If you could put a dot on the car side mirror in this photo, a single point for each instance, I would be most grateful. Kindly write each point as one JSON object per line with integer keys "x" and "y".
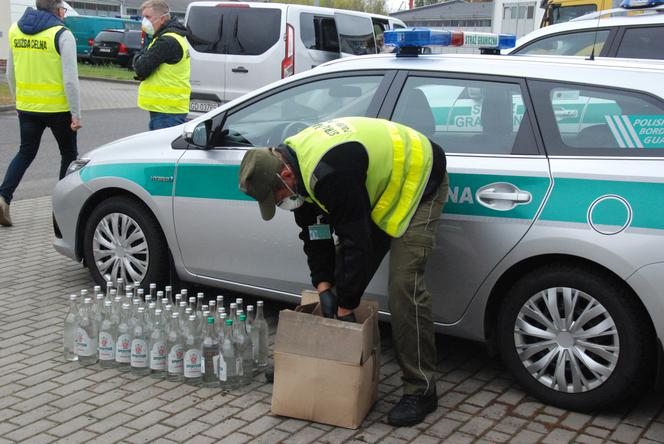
{"x": 197, "y": 133}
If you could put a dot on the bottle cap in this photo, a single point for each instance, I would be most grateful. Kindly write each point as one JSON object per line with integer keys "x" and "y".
{"x": 152, "y": 305}
{"x": 72, "y": 297}
{"x": 259, "y": 303}
{"x": 140, "y": 292}
{"x": 108, "y": 303}
{"x": 84, "y": 292}
{"x": 169, "y": 288}
{"x": 183, "y": 303}
{"x": 175, "y": 315}
{"x": 125, "y": 306}
{"x": 243, "y": 317}
{"x": 157, "y": 311}
{"x": 87, "y": 301}
{"x": 184, "y": 292}
{"x": 229, "y": 322}
{"x": 160, "y": 294}
{"x": 192, "y": 317}
{"x": 250, "y": 308}
{"x": 100, "y": 295}
{"x": 153, "y": 286}
{"x": 200, "y": 295}
{"x": 140, "y": 309}
{"x": 210, "y": 320}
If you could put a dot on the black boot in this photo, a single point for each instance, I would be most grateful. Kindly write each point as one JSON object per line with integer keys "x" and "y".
{"x": 412, "y": 409}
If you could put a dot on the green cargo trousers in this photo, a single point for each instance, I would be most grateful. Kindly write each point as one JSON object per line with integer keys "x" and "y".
{"x": 409, "y": 301}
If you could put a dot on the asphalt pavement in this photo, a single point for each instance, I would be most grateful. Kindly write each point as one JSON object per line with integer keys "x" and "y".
{"x": 109, "y": 113}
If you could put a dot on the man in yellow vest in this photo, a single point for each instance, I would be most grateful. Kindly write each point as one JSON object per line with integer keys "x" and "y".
{"x": 378, "y": 186}
{"x": 42, "y": 74}
{"x": 163, "y": 67}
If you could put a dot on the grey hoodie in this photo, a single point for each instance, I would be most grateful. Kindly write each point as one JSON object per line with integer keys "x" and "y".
{"x": 35, "y": 21}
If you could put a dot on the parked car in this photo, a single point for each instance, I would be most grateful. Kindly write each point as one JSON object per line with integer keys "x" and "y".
{"x": 238, "y": 47}
{"x": 550, "y": 247}
{"x": 85, "y": 28}
{"x": 620, "y": 32}
{"x": 117, "y": 46}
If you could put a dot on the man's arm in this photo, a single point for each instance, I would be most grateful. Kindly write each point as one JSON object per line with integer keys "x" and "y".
{"x": 320, "y": 253}
{"x": 164, "y": 50}
{"x": 11, "y": 77}
{"x": 67, "y": 45}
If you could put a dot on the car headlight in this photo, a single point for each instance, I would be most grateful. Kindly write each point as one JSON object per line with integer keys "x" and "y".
{"x": 76, "y": 165}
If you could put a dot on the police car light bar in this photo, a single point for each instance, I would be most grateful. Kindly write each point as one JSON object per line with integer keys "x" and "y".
{"x": 409, "y": 41}
{"x": 631, "y": 4}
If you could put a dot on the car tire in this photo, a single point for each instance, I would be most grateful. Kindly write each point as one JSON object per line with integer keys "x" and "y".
{"x": 624, "y": 351}
{"x": 146, "y": 243}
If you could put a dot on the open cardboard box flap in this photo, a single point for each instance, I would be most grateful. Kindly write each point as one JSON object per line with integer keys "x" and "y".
{"x": 304, "y": 332}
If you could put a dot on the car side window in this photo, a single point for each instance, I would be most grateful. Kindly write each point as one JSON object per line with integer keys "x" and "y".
{"x": 642, "y": 43}
{"x": 269, "y": 121}
{"x": 467, "y": 116}
{"x": 319, "y": 32}
{"x": 582, "y": 120}
{"x": 571, "y": 44}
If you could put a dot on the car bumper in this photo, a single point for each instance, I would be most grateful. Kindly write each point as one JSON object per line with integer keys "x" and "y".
{"x": 69, "y": 196}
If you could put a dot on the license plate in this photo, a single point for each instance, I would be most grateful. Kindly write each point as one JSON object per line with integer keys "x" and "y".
{"x": 104, "y": 49}
{"x": 202, "y": 106}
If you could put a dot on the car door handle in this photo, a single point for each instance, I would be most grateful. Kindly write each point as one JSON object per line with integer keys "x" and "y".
{"x": 241, "y": 69}
{"x": 502, "y": 196}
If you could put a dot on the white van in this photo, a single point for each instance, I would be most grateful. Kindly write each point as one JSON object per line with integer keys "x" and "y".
{"x": 238, "y": 47}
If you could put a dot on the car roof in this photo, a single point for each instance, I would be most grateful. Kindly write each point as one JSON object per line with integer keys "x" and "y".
{"x": 593, "y": 21}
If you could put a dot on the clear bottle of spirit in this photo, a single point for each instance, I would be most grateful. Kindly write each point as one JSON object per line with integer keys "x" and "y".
{"x": 192, "y": 353}
{"x": 168, "y": 294}
{"x": 210, "y": 347}
{"x": 120, "y": 286}
{"x": 260, "y": 331}
{"x": 108, "y": 331}
{"x": 87, "y": 335}
{"x": 123, "y": 341}
{"x": 157, "y": 346}
{"x": 238, "y": 304}
{"x": 139, "y": 345}
{"x": 246, "y": 351}
{"x": 153, "y": 292}
{"x": 220, "y": 301}
{"x": 227, "y": 358}
{"x": 174, "y": 371}
{"x": 109, "y": 287}
{"x": 69, "y": 331}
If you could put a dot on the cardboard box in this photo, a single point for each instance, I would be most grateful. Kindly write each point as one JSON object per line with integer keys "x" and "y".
{"x": 326, "y": 370}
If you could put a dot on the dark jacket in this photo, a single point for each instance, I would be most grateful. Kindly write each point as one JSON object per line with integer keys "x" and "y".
{"x": 33, "y": 21}
{"x": 165, "y": 49}
{"x": 341, "y": 188}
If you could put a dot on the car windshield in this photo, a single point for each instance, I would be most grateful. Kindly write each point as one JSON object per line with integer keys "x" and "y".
{"x": 109, "y": 36}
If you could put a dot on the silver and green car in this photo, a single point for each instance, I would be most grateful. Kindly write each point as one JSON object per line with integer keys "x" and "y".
{"x": 550, "y": 248}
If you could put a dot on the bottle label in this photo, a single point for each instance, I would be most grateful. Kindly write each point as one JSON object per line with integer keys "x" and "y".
{"x": 158, "y": 356}
{"x": 175, "y": 359}
{"x": 84, "y": 345}
{"x": 215, "y": 365}
{"x": 106, "y": 346}
{"x": 123, "y": 348}
{"x": 192, "y": 363}
{"x": 139, "y": 353}
{"x": 238, "y": 367}
{"x": 223, "y": 376}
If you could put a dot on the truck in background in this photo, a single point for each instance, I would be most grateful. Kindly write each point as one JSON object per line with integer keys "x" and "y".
{"x": 86, "y": 27}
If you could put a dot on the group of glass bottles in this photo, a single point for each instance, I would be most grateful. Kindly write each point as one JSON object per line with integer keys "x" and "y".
{"x": 179, "y": 338}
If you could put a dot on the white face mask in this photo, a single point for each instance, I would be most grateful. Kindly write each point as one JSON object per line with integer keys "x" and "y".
{"x": 147, "y": 26}
{"x": 292, "y": 202}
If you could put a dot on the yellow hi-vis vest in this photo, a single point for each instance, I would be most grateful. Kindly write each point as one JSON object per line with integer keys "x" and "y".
{"x": 400, "y": 161}
{"x": 167, "y": 90}
{"x": 38, "y": 71}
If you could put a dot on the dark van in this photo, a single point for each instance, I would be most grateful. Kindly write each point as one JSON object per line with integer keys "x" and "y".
{"x": 86, "y": 27}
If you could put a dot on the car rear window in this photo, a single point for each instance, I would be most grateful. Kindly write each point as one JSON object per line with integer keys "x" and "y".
{"x": 642, "y": 43}
{"x": 233, "y": 30}
{"x": 109, "y": 36}
{"x": 133, "y": 39}
{"x": 319, "y": 32}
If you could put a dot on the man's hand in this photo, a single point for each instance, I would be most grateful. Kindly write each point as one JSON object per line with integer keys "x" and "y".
{"x": 328, "y": 303}
{"x": 75, "y": 124}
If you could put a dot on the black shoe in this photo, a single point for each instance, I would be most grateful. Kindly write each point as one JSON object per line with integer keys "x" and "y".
{"x": 412, "y": 409}
{"x": 348, "y": 318}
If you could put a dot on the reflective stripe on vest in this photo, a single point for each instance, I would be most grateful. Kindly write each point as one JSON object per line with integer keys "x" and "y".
{"x": 400, "y": 161}
{"x": 38, "y": 71}
{"x": 167, "y": 89}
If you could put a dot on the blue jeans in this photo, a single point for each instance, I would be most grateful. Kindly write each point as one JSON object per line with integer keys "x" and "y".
{"x": 32, "y": 126}
{"x": 163, "y": 120}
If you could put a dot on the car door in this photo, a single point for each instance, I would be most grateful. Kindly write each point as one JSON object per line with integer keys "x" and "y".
{"x": 255, "y": 49}
{"x": 220, "y": 232}
{"x": 499, "y": 178}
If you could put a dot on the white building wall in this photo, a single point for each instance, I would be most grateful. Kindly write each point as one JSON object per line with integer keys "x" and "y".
{"x": 516, "y": 19}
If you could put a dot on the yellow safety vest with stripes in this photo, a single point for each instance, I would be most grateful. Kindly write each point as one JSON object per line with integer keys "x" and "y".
{"x": 167, "y": 90}
{"x": 38, "y": 71}
{"x": 400, "y": 161}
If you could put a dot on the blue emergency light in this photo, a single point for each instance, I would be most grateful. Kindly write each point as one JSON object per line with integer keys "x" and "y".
{"x": 632, "y": 4}
{"x": 410, "y": 41}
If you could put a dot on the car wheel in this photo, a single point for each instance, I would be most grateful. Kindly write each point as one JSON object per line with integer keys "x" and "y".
{"x": 123, "y": 239}
{"x": 575, "y": 337}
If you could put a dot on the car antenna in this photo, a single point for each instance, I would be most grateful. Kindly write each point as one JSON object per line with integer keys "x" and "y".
{"x": 592, "y": 51}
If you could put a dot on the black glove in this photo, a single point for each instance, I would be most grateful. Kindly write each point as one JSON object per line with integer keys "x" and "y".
{"x": 328, "y": 303}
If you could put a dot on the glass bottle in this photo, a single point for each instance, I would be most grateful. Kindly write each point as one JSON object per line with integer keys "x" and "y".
{"x": 210, "y": 347}
{"x": 168, "y": 294}
{"x": 174, "y": 371}
{"x": 232, "y": 315}
{"x": 192, "y": 353}
{"x": 160, "y": 300}
{"x": 99, "y": 307}
{"x": 107, "y": 334}
{"x": 238, "y": 304}
{"x": 140, "y": 294}
{"x": 259, "y": 331}
{"x": 139, "y": 345}
{"x": 246, "y": 352}
{"x": 220, "y": 301}
{"x": 69, "y": 331}
{"x": 153, "y": 292}
{"x": 87, "y": 335}
{"x": 157, "y": 346}
{"x": 200, "y": 300}
{"x": 123, "y": 341}
{"x": 120, "y": 286}
{"x": 227, "y": 358}
{"x": 109, "y": 287}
